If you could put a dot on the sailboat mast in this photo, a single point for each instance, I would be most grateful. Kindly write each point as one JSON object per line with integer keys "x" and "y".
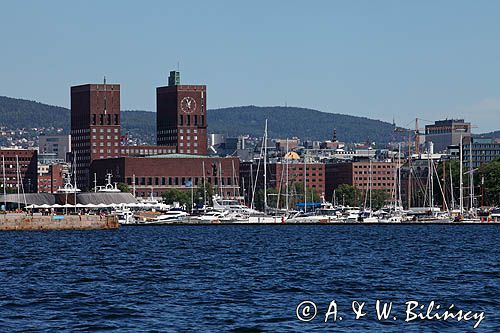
{"x": 305, "y": 181}
{"x": 471, "y": 177}
{"x": 451, "y": 190}
{"x": 17, "y": 178}
{"x": 74, "y": 175}
{"x": 286, "y": 178}
{"x": 265, "y": 167}
{"x": 371, "y": 185}
{"x": 399, "y": 201}
{"x": 4, "y": 184}
{"x": 461, "y": 198}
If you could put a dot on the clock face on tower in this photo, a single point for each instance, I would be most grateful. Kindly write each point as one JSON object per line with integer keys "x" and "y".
{"x": 188, "y": 105}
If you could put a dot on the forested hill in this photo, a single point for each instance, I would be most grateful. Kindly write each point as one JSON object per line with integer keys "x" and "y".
{"x": 300, "y": 122}
{"x": 282, "y": 122}
{"x": 21, "y": 113}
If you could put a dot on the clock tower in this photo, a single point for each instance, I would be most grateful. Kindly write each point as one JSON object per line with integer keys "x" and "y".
{"x": 181, "y": 116}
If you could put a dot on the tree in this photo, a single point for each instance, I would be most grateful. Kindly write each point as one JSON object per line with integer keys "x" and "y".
{"x": 379, "y": 198}
{"x": 452, "y": 167}
{"x": 349, "y": 195}
{"x": 123, "y": 187}
{"x": 203, "y": 192}
{"x": 491, "y": 173}
{"x": 175, "y": 195}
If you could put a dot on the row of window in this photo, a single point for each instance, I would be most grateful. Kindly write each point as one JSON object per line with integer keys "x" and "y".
{"x": 108, "y": 144}
{"x": 188, "y": 151}
{"x": 105, "y": 119}
{"x": 187, "y": 120}
{"x": 373, "y": 172}
{"x": 179, "y": 181}
{"x": 108, "y": 130}
{"x": 374, "y": 166}
{"x": 137, "y": 151}
{"x": 374, "y": 178}
{"x": 188, "y": 144}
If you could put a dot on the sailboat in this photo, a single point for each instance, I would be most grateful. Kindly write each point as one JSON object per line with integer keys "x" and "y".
{"x": 366, "y": 215}
{"x": 263, "y": 217}
{"x": 471, "y": 216}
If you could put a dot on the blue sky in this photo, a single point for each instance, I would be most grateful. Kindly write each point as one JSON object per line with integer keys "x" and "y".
{"x": 380, "y": 59}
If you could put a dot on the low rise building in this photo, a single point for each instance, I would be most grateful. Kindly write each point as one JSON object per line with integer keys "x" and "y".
{"x": 362, "y": 174}
{"x": 19, "y": 169}
{"x": 154, "y": 175}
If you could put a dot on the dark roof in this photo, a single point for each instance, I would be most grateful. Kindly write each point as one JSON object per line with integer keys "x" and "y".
{"x": 31, "y": 198}
{"x": 105, "y": 198}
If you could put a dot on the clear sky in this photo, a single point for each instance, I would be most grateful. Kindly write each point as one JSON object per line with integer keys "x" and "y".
{"x": 381, "y": 59}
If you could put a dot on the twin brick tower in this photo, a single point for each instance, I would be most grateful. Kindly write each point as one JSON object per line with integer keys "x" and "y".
{"x": 181, "y": 124}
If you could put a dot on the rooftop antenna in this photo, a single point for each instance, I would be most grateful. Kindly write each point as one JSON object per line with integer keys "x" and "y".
{"x": 178, "y": 67}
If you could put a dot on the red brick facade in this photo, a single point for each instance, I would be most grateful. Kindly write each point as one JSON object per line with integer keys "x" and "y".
{"x": 95, "y": 125}
{"x": 27, "y": 159}
{"x": 159, "y": 174}
{"x": 181, "y": 118}
{"x": 51, "y": 181}
{"x": 358, "y": 174}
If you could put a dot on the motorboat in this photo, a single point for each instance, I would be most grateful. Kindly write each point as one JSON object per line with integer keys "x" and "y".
{"x": 171, "y": 216}
{"x": 125, "y": 216}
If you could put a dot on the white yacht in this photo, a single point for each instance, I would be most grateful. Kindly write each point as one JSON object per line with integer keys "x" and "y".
{"x": 125, "y": 216}
{"x": 172, "y": 216}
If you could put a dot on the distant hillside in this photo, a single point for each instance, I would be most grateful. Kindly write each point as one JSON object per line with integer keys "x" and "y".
{"x": 493, "y": 135}
{"x": 300, "y": 122}
{"x": 282, "y": 122}
{"x": 21, "y": 113}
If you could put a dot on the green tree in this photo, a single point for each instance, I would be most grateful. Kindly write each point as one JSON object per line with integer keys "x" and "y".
{"x": 444, "y": 170}
{"x": 204, "y": 192}
{"x": 123, "y": 187}
{"x": 349, "y": 195}
{"x": 272, "y": 198}
{"x": 491, "y": 173}
{"x": 379, "y": 198}
{"x": 175, "y": 195}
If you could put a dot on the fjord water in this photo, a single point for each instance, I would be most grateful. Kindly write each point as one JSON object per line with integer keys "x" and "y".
{"x": 245, "y": 278}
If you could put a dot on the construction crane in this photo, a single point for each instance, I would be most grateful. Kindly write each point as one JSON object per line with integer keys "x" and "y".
{"x": 416, "y": 136}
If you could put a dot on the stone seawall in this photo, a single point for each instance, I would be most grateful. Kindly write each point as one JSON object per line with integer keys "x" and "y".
{"x": 57, "y": 222}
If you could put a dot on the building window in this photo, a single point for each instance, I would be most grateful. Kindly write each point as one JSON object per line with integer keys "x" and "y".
{"x": 181, "y": 120}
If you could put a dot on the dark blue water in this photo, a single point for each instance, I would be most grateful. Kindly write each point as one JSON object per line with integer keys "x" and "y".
{"x": 245, "y": 278}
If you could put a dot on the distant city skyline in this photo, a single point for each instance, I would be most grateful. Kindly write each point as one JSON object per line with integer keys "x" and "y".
{"x": 382, "y": 60}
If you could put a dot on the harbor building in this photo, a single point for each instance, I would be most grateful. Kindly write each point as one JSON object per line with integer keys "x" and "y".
{"x": 252, "y": 172}
{"x": 19, "y": 170}
{"x": 361, "y": 174}
{"x": 181, "y": 116}
{"x": 95, "y": 126}
{"x": 51, "y": 177}
{"x": 154, "y": 175}
{"x": 444, "y": 133}
{"x": 483, "y": 151}
{"x": 57, "y": 145}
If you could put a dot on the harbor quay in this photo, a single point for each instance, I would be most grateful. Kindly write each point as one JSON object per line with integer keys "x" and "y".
{"x": 24, "y": 222}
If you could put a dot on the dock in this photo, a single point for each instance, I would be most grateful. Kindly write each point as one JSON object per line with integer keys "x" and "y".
{"x": 25, "y": 222}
